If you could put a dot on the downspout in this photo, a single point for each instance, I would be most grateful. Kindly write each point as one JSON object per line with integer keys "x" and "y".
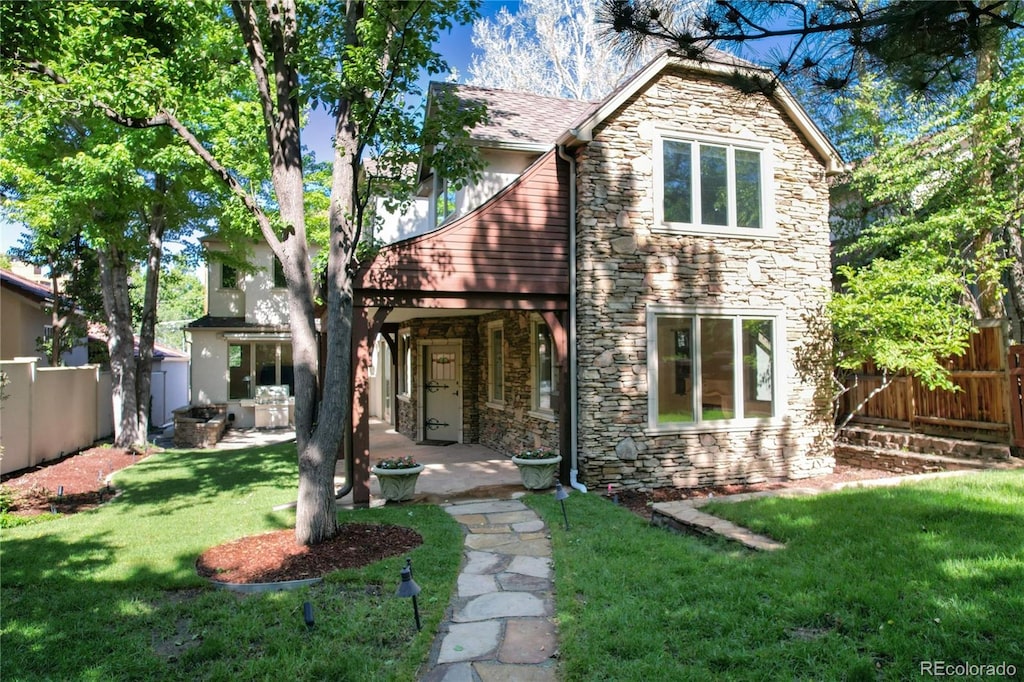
{"x": 573, "y": 384}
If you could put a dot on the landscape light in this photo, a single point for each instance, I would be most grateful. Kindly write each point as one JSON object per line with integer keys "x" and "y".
{"x": 561, "y": 495}
{"x": 409, "y": 588}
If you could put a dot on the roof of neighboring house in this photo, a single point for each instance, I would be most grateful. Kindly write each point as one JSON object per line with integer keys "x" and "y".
{"x": 25, "y": 287}
{"x": 98, "y": 332}
{"x": 518, "y": 117}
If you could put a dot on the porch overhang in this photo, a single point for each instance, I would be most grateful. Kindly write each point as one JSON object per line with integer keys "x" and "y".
{"x": 511, "y": 253}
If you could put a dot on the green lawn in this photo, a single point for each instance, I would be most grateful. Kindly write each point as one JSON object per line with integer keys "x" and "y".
{"x": 113, "y": 595}
{"x": 872, "y": 583}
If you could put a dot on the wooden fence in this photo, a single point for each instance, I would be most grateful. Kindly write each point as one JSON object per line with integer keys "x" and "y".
{"x": 987, "y": 407}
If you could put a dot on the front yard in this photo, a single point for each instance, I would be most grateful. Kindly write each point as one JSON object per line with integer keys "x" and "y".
{"x": 873, "y": 584}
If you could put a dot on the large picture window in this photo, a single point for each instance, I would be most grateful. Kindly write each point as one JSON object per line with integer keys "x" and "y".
{"x": 256, "y": 363}
{"x": 707, "y": 368}
{"x": 712, "y": 186}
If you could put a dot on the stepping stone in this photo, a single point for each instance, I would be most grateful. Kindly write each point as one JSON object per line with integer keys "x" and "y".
{"x": 466, "y": 642}
{"x": 491, "y": 507}
{"x": 536, "y": 566}
{"x": 501, "y": 605}
{"x": 484, "y": 562}
{"x": 473, "y": 585}
{"x": 527, "y": 641}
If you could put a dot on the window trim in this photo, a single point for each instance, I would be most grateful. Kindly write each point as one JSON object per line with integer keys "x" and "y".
{"x": 768, "y": 229}
{"x": 737, "y": 314}
{"x": 493, "y": 400}
{"x": 546, "y": 413}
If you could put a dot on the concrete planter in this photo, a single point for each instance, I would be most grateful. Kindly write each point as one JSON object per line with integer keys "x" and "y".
{"x": 538, "y": 474}
{"x": 397, "y": 484}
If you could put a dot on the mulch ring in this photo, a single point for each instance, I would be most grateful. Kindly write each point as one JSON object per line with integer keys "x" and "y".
{"x": 275, "y": 556}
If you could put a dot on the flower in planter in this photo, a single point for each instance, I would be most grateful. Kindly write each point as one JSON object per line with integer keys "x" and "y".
{"x": 406, "y": 462}
{"x": 539, "y": 453}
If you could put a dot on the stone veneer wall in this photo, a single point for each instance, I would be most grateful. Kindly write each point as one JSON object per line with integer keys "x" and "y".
{"x": 449, "y": 329}
{"x": 625, "y": 265}
{"x": 511, "y": 428}
{"x": 507, "y": 428}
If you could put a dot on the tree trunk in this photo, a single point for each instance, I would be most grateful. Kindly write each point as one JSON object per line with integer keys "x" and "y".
{"x": 121, "y": 346}
{"x": 56, "y": 323}
{"x": 147, "y": 330}
{"x": 990, "y": 302}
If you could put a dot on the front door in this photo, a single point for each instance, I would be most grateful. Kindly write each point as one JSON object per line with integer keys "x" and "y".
{"x": 442, "y": 393}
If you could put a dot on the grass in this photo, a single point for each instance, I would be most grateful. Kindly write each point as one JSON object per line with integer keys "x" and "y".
{"x": 871, "y": 584}
{"x": 112, "y": 594}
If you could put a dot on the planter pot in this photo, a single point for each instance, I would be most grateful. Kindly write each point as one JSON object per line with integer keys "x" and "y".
{"x": 538, "y": 474}
{"x": 397, "y": 484}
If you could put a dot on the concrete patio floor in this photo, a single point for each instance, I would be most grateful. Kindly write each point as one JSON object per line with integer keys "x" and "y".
{"x": 453, "y": 472}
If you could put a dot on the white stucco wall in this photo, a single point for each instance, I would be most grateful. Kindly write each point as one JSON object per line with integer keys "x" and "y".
{"x": 255, "y": 298}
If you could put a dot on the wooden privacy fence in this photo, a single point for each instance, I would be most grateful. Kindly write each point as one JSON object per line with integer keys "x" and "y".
{"x": 987, "y": 407}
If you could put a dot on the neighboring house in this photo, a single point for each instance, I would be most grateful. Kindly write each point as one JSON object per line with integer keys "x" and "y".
{"x": 242, "y": 345}
{"x": 23, "y": 308}
{"x": 639, "y": 283}
{"x": 24, "y": 320}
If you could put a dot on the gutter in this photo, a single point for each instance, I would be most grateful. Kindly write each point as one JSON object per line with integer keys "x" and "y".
{"x": 573, "y": 384}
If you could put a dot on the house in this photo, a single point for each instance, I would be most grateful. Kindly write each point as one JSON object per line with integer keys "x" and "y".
{"x": 24, "y": 303}
{"x": 241, "y": 349}
{"x": 637, "y": 282}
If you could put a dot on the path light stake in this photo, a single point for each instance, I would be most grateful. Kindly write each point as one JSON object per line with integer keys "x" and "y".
{"x": 409, "y": 588}
{"x": 307, "y": 614}
{"x": 562, "y": 496}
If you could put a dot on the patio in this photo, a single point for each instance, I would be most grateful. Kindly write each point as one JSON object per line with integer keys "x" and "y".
{"x": 453, "y": 472}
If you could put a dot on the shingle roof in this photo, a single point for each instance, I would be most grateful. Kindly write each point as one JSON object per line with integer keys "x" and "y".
{"x": 519, "y": 117}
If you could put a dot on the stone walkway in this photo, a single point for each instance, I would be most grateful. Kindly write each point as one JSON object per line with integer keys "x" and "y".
{"x": 499, "y": 627}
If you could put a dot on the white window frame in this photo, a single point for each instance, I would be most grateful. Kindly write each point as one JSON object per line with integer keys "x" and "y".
{"x": 545, "y": 413}
{"x": 495, "y": 394}
{"x": 405, "y": 364}
{"x": 738, "y": 315}
{"x": 768, "y": 229}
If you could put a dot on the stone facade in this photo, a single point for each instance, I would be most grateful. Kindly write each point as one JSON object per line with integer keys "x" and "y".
{"x": 512, "y": 426}
{"x": 508, "y": 426}
{"x": 627, "y": 264}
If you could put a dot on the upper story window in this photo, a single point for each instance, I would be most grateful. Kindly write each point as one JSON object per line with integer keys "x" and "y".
{"x": 279, "y": 281}
{"x": 228, "y": 277}
{"x": 445, "y": 201}
{"x": 495, "y": 362}
{"x": 713, "y": 186}
{"x": 714, "y": 367}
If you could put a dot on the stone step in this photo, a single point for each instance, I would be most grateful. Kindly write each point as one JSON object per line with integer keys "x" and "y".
{"x": 905, "y": 461}
{"x": 894, "y": 439}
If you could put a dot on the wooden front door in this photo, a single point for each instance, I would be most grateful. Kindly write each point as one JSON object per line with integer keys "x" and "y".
{"x": 442, "y": 393}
